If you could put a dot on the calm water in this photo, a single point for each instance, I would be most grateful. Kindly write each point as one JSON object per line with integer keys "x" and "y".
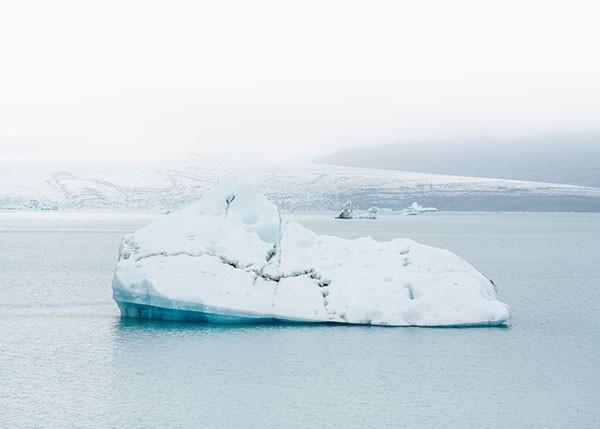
{"x": 67, "y": 360}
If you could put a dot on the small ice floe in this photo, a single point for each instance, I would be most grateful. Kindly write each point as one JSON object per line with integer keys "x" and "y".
{"x": 370, "y": 214}
{"x": 232, "y": 257}
{"x": 416, "y": 208}
{"x": 347, "y": 211}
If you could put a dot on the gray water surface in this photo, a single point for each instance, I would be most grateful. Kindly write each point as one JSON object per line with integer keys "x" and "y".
{"x": 68, "y": 360}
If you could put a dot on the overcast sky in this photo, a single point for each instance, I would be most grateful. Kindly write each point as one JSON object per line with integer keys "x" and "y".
{"x": 293, "y": 78}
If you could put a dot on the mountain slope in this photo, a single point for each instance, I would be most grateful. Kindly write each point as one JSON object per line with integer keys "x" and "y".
{"x": 573, "y": 159}
{"x": 165, "y": 183}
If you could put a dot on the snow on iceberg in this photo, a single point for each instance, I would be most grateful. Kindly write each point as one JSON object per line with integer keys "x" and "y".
{"x": 232, "y": 257}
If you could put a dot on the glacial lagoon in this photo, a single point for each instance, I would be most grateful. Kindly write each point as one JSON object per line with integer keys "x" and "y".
{"x": 66, "y": 356}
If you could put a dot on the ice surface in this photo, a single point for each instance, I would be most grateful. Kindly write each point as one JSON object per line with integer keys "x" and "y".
{"x": 232, "y": 257}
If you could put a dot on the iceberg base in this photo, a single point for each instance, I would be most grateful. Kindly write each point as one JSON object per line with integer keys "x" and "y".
{"x": 132, "y": 310}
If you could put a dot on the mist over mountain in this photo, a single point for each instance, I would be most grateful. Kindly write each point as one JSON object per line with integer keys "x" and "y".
{"x": 572, "y": 159}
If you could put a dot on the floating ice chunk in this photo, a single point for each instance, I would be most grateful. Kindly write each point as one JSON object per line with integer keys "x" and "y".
{"x": 370, "y": 214}
{"x": 347, "y": 211}
{"x": 416, "y": 208}
{"x": 231, "y": 257}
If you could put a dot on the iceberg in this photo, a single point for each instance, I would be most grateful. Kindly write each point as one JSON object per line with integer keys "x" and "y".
{"x": 370, "y": 214}
{"x": 232, "y": 257}
{"x": 347, "y": 211}
{"x": 416, "y": 208}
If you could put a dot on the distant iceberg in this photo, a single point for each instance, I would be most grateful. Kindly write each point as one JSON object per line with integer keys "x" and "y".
{"x": 231, "y": 257}
{"x": 416, "y": 208}
{"x": 348, "y": 212}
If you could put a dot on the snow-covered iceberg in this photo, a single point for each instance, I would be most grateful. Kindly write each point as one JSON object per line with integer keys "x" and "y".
{"x": 347, "y": 212}
{"x": 232, "y": 257}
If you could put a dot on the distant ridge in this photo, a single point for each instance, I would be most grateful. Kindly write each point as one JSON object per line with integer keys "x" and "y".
{"x": 136, "y": 182}
{"x": 569, "y": 159}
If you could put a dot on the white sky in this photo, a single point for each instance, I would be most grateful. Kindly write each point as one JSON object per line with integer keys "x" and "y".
{"x": 303, "y": 78}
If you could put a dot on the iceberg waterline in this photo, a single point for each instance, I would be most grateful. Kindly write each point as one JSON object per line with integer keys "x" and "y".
{"x": 232, "y": 257}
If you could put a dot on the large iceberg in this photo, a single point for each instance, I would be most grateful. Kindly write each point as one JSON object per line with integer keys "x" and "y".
{"x": 416, "y": 208}
{"x": 233, "y": 257}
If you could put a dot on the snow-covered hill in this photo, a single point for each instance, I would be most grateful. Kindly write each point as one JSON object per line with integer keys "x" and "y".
{"x": 137, "y": 182}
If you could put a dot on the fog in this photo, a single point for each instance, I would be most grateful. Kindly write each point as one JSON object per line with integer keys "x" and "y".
{"x": 290, "y": 80}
